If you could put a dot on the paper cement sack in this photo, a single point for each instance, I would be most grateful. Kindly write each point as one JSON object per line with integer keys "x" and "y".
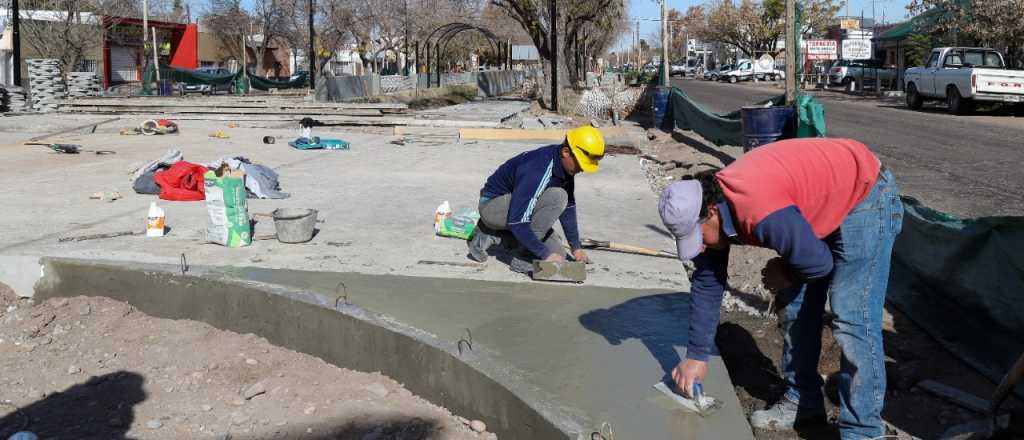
{"x": 226, "y": 203}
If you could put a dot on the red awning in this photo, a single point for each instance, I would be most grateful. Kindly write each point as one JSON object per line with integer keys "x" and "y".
{"x": 186, "y": 54}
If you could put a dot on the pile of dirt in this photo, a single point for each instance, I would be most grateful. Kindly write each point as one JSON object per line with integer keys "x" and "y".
{"x": 89, "y": 367}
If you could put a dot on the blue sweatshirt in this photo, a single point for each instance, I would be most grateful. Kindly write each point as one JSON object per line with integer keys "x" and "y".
{"x": 786, "y": 231}
{"x": 525, "y": 177}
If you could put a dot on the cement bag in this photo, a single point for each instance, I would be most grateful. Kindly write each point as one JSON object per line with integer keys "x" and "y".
{"x": 461, "y": 224}
{"x": 225, "y": 202}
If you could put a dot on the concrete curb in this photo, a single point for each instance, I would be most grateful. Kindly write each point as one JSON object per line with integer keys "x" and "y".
{"x": 542, "y": 361}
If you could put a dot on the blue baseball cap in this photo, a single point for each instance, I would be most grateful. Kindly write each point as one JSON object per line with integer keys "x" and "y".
{"x": 680, "y": 212}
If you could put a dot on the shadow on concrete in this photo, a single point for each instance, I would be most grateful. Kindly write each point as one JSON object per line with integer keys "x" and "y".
{"x": 693, "y": 143}
{"x": 658, "y": 321}
{"x": 660, "y": 230}
{"x": 101, "y": 407}
{"x": 361, "y": 427}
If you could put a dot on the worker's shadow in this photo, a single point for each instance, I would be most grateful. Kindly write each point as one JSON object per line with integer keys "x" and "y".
{"x": 659, "y": 322}
{"x": 101, "y": 407}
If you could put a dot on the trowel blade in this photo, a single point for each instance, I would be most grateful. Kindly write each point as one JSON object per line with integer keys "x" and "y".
{"x": 706, "y": 407}
{"x": 570, "y": 271}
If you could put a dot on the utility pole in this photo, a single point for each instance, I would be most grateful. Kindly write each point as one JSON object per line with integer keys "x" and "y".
{"x": 791, "y": 48}
{"x": 553, "y": 13}
{"x": 406, "y": 44}
{"x": 312, "y": 49}
{"x": 639, "y": 56}
{"x": 145, "y": 26}
{"x": 16, "y": 41}
{"x": 664, "y": 43}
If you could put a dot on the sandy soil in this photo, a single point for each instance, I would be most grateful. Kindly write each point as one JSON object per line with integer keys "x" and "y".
{"x": 89, "y": 367}
{"x": 750, "y": 339}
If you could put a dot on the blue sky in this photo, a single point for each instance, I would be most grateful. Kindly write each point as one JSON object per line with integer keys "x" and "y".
{"x": 894, "y": 10}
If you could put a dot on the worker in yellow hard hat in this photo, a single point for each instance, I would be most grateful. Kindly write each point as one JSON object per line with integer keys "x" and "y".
{"x": 523, "y": 198}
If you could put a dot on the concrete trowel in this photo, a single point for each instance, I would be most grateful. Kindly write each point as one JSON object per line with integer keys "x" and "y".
{"x": 700, "y": 403}
{"x": 565, "y": 271}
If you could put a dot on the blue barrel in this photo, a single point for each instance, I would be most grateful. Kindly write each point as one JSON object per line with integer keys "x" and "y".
{"x": 661, "y": 95}
{"x": 166, "y": 87}
{"x": 764, "y": 125}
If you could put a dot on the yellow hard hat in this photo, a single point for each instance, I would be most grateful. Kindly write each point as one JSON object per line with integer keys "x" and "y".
{"x": 587, "y": 145}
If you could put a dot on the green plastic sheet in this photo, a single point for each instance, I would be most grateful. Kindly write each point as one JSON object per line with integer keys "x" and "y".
{"x": 962, "y": 281}
{"x": 200, "y": 77}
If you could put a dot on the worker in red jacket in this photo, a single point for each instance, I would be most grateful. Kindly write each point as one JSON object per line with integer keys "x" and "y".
{"x": 832, "y": 212}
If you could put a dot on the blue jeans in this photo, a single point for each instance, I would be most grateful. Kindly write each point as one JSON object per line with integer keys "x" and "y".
{"x": 861, "y": 249}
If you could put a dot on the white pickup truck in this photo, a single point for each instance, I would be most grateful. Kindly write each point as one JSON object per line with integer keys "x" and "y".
{"x": 962, "y": 76}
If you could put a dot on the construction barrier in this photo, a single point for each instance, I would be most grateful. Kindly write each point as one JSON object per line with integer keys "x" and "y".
{"x": 962, "y": 281}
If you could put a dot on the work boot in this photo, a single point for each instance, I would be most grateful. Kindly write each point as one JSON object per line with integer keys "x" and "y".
{"x": 521, "y": 265}
{"x": 783, "y": 415}
{"x": 483, "y": 239}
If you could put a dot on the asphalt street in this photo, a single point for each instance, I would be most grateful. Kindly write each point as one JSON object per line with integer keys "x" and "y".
{"x": 970, "y": 166}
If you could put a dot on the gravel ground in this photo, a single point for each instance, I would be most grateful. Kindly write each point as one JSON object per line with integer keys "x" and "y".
{"x": 90, "y": 367}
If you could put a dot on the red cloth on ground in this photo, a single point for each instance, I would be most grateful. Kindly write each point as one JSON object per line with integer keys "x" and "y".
{"x": 183, "y": 181}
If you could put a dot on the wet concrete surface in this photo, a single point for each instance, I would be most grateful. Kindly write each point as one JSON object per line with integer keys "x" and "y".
{"x": 593, "y": 350}
{"x": 965, "y": 165}
{"x": 544, "y": 361}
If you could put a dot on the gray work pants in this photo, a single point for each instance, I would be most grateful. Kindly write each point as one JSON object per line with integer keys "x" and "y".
{"x": 549, "y": 207}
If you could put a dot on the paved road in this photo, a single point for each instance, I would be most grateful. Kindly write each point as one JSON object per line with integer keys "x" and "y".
{"x": 971, "y": 166}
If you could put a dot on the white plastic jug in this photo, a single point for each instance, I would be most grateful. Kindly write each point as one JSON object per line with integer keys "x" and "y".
{"x": 155, "y": 221}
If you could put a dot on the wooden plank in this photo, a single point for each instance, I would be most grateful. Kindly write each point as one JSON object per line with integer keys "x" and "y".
{"x": 516, "y": 134}
{"x": 232, "y": 104}
{"x": 341, "y": 120}
{"x": 224, "y": 110}
{"x": 69, "y": 130}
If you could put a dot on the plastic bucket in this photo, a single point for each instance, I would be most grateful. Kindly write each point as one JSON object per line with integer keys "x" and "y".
{"x": 294, "y": 225}
{"x": 242, "y": 86}
{"x": 764, "y": 125}
{"x": 660, "y": 106}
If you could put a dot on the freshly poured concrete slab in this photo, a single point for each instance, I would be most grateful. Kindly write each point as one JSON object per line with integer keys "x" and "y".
{"x": 592, "y": 352}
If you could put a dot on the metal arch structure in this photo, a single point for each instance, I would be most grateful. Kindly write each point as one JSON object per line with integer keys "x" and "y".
{"x": 437, "y": 43}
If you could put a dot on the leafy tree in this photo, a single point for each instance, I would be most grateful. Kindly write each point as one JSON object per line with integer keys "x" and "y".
{"x": 992, "y": 23}
{"x": 755, "y": 28}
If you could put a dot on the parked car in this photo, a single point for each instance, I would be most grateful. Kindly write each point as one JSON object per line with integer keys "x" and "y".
{"x": 963, "y": 76}
{"x": 689, "y": 68}
{"x": 851, "y": 73}
{"x": 207, "y": 89}
{"x": 715, "y": 74}
{"x": 677, "y": 69}
{"x": 747, "y": 70}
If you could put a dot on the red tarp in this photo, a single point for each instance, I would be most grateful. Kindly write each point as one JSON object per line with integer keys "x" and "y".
{"x": 183, "y": 181}
{"x": 186, "y": 55}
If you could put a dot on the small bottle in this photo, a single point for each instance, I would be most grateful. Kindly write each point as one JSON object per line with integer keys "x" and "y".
{"x": 155, "y": 221}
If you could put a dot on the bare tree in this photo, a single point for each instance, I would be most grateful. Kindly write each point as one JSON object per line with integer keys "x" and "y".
{"x": 260, "y": 28}
{"x": 575, "y": 18}
{"x": 756, "y": 27}
{"x": 67, "y": 30}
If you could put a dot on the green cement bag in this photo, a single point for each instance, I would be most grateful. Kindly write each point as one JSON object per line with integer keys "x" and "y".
{"x": 461, "y": 224}
{"x": 226, "y": 204}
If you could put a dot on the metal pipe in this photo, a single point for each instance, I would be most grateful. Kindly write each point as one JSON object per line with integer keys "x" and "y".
{"x": 553, "y": 10}
{"x": 16, "y": 41}
{"x": 312, "y": 48}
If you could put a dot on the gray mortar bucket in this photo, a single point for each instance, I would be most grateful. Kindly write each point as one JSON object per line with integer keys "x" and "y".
{"x": 294, "y": 225}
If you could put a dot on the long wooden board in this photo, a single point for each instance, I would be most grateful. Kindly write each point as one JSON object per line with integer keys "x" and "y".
{"x": 516, "y": 134}
{"x": 223, "y": 110}
{"x": 282, "y": 104}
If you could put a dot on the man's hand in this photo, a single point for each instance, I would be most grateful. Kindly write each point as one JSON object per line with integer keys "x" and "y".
{"x": 581, "y": 256}
{"x": 775, "y": 276}
{"x": 687, "y": 373}
{"x": 555, "y": 257}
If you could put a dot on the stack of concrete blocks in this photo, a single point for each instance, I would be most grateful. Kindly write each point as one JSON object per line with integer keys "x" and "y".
{"x": 594, "y": 104}
{"x": 83, "y": 84}
{"x": 397, "y": 83}
{"x": 13, "y": 99}
{"x": 46, "y": 84}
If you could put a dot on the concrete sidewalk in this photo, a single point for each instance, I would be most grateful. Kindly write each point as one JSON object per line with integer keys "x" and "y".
{"x": 377, "y": 201}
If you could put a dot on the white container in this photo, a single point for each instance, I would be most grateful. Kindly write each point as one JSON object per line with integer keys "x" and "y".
{"x": 155, "y": 221}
